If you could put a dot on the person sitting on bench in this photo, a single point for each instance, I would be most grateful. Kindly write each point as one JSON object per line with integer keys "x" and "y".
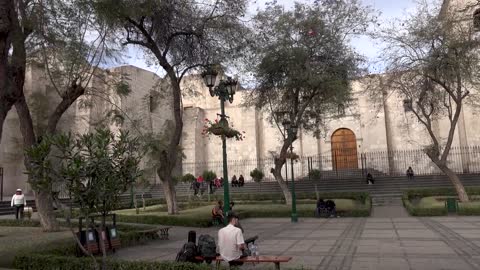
{"x": 410, "y": 173}
{"x": 320, "y": 207}
{"x": 230, "y": 241}
{"x": 217, "y": 212}
{"x": 331, "y": 208}
{"x": 370, "y": 179}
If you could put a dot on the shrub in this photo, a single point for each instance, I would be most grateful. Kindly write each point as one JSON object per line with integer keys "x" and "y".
{"x": 188, "y": 221}
{"x": 209, "y": 176}
{"x": 188, "y": 178}
{"x": 19, "y": 223}
{"x": 315, "y": 174}
{"x": 257, "y": 175}
{"x": 46, "y": 262}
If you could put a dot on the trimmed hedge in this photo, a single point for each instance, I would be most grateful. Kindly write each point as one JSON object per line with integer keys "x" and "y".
{"x": 47, "y": 262}
{"x": 194, "y": 221}
{"x": 19, "y": 223}
{"x": 419, "y": 193}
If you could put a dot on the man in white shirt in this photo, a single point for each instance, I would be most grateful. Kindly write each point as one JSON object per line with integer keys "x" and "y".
{"x": 19, "y": 202}
{"x": 230, "y": 241}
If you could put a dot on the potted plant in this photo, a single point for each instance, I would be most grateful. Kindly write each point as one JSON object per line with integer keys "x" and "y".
{"x": 221, "y": 128}
{"x": 257, "y": 175}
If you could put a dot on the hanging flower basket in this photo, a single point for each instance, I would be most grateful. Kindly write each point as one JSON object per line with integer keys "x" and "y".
{"x": 221, "y": 128}
{"x": 217, "y": 130}
{"x": 232, "y": 133}
{"x": 292, "y": 155}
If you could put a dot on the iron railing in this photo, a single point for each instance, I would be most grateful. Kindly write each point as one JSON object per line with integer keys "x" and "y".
{"x": 349, "y": 164}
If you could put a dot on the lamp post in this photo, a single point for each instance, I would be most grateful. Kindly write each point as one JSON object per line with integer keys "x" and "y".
{"x": 292, "y": 132}
{"x": 224, "y": 91}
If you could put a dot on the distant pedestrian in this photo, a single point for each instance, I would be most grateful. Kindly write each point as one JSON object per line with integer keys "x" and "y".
{"x": 370, "y": 179}
{"x": 212, "y": 186}
{"x": 222, "y": 182}
{"x": 217, "y": 183}
{"x": 196, "y": 187}
{"x": 19, "y": 202}
{"x": 410, "y": 173}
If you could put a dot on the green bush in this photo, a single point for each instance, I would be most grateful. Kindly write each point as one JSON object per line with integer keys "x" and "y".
{"x": 209, "y": 176}
{"x": 188, "y": 221}
{"x": 19, "y": 223}
{"x": 188, "y": 178}
{"x": 257, "y": 175}
{"x": 315, "y": 174}
{"x": 47, "y": 262}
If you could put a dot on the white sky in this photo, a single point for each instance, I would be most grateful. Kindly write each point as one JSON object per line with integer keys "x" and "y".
{"x": 389, "y": 9}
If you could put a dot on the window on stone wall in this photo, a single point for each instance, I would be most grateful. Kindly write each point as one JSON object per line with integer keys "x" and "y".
{"x": 151, "y": 103}
{"x": 407, "y": 105}
{"x": 341, "y": 110}
{"x": 476, "y": 20}
{"x": 153, "y": 100}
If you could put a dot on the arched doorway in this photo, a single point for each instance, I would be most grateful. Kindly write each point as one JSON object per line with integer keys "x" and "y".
{"x": 344, "y": 149}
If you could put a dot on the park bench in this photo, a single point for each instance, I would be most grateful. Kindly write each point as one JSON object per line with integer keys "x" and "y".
{"x": 253, "y": 259}
{"x": 162, "y": 230}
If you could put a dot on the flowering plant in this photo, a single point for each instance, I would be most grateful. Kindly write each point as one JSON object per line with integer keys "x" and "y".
{"x": 221, "y": 128}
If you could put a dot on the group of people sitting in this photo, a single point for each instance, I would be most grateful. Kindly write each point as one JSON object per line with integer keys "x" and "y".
{"x": 240, "y": 182}
{"x": 410, "y": 175}
{"x": 326, "y": 208}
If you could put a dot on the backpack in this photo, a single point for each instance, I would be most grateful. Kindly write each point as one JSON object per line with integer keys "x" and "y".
{"x": 206, "y": 246}
{"x": 187, "y": 253}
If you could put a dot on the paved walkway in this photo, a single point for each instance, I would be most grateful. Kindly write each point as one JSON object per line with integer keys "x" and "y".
{"x": 390, "y": 211}
{"x": 350, "y": 243}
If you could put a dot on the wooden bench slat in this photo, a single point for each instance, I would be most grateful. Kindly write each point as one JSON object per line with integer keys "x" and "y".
{"x": 272, "y": 259}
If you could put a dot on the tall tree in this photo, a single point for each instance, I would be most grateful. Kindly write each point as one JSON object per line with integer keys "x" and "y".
{"x": 433, "y": 64}
{"x": 96, "y": 168}
{"x": 181, "y": 35}
{"x": 53, "y": 33}
{"x": 16, "y": 25}
{"x": 305, "y": 64}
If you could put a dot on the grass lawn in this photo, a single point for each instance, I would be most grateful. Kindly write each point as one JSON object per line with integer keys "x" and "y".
{"x": 22, "y": 239}
{"x": 429, "y": 202}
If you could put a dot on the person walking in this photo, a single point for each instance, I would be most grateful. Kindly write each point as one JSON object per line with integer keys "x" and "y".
{"x": 19, "y": 202}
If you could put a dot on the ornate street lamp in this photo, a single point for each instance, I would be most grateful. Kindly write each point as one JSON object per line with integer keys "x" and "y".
{"x": 225, "y": 90}
{"x": 291, "y": 130}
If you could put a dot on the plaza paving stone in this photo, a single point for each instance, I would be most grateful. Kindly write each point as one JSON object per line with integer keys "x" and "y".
{"x": 348, "y": 243}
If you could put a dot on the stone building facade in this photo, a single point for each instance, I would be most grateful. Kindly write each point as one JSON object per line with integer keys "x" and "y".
{"x": 145, "y": 110}
{"x": 363, "y": 126}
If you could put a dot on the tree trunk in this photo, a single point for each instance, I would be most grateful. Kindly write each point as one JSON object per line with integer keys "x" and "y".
{"x": 6, "y": 29}
{"x": 277, "y": 171}
{"x": 168, "y": 189}
{"x": 43, "y": 196}
{"x": 170, "y": 197}
{"x": 44, "y": 202}
{"x": 457, "y": 184}
{"x": 283, "y": 186}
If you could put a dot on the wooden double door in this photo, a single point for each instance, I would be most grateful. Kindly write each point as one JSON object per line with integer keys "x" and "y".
{"x": 344, "y": 149}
